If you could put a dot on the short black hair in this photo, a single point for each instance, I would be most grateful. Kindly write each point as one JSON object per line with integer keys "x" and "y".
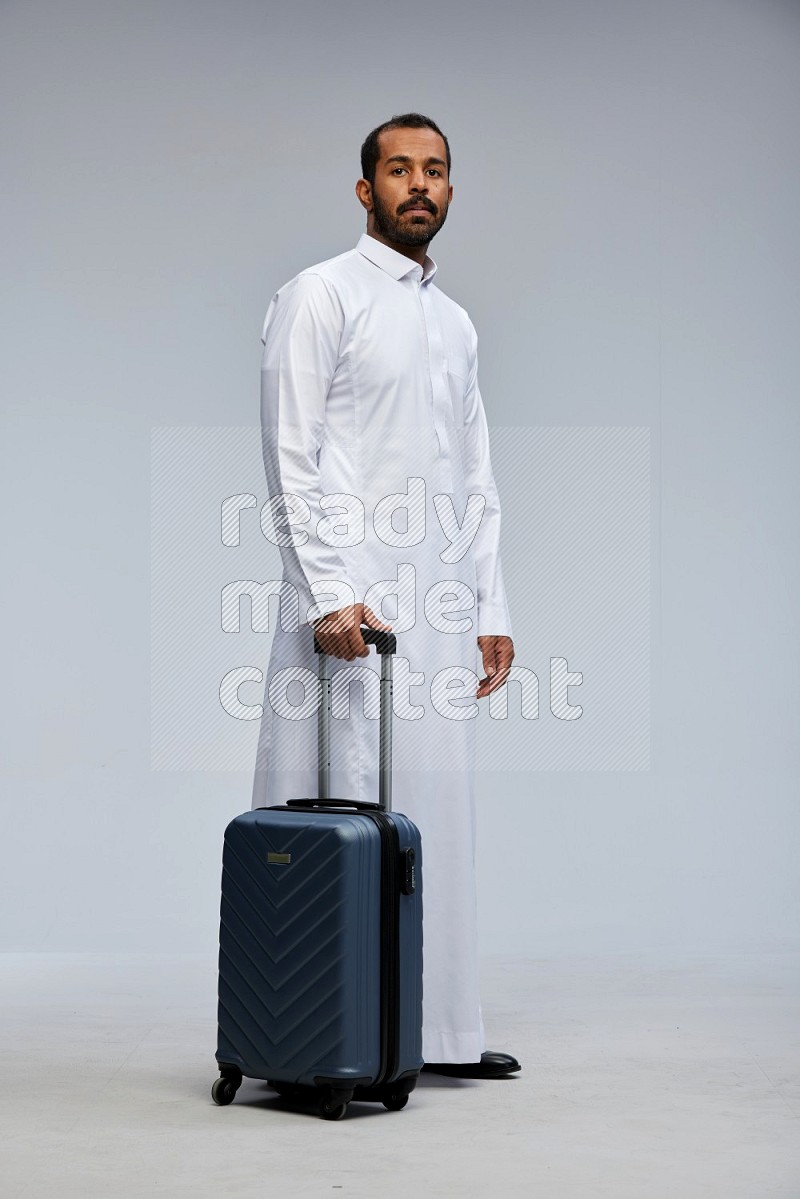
{"x": 370, "y": 151}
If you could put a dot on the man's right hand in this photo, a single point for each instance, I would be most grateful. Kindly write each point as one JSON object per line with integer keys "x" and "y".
{"x": 339, "y": 633}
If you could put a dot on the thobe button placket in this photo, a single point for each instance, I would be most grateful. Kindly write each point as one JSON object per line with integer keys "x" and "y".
{"x": 440, "y": 399}
{"x": 416, "y": 278}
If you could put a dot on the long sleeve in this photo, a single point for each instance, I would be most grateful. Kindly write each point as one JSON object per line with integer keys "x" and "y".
{"x": 301, "y": 335}
{"x": 493, "y": 617}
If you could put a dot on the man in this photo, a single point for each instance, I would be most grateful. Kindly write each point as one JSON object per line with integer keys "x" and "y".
{"x": 370, "y": 409}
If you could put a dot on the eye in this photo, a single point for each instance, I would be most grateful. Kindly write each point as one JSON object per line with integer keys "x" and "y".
{"x": 434, "y": 170}
{"x": 396, "y": 169}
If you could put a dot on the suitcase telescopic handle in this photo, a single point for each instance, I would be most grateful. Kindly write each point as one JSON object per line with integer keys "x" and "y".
{"x": 386, "y": 645}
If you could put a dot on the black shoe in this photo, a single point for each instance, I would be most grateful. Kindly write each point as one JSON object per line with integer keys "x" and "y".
{"x": 491, "y": 1065}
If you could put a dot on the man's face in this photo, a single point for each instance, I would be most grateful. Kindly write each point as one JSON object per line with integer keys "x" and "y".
{"x": 411, "y": 193}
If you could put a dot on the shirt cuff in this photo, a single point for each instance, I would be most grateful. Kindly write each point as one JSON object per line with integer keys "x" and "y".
{"x": 493, "y": 622}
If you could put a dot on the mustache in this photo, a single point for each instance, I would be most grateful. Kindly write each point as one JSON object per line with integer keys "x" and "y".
{"x": 421, "y": 203}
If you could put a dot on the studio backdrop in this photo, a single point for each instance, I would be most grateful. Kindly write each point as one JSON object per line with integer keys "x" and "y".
{"x": 623, "y": 235}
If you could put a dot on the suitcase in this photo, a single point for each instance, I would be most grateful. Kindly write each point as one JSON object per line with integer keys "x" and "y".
{"x": 320, "y": 944}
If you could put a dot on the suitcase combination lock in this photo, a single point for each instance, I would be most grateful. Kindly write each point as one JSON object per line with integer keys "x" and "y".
{"x": 408, "y": 873}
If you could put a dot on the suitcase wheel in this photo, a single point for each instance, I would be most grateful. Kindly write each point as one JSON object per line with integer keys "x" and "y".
{"x": 332, "y": 1111}
{"x": 224, "y": 1090}
{"x": 333, "y": 1103}
{"x": 395, "y": 1103}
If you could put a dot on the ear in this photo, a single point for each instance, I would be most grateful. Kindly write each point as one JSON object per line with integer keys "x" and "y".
{"x": 364, "y": 193}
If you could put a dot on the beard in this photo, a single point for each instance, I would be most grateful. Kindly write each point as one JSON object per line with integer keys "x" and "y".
{"x": 406, "y": 230}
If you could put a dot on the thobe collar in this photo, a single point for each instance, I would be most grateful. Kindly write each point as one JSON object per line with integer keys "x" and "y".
{"x": 393, "y": 262}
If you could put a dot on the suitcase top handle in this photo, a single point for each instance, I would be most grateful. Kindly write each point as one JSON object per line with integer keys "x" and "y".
{"x": 385, "y": 643}
{"x": 361, "y": 805}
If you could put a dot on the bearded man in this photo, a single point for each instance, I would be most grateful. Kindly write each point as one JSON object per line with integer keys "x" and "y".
{"x": 370, "y": 408}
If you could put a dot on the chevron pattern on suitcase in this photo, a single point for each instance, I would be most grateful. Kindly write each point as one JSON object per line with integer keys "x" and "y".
{"x": 299, "y": 947}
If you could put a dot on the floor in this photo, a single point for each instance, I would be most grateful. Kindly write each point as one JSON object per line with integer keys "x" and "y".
{"x": 644, "y": 1076}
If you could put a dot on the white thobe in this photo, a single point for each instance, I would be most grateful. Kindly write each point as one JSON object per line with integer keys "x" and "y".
{"x": 369, "y": 390}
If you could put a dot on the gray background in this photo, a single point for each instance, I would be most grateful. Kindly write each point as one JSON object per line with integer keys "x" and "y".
{"x": 623, "y": 234}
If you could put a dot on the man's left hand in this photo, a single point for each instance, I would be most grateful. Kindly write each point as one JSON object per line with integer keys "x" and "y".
{"x": 498, "y": 654}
